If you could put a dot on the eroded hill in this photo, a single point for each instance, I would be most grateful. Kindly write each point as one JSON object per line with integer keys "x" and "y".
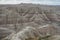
{"x": 17, "y": 17}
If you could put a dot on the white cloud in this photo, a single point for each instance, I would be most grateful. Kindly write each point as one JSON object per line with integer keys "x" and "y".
{"x": 14, "y": 1}
{"x": 48, "y": 2}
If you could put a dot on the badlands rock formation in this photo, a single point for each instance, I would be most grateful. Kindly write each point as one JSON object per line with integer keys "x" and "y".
{"x": 14, "y": 18}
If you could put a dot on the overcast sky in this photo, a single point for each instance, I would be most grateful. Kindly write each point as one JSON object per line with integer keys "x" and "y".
{"x": 48, "y": 2}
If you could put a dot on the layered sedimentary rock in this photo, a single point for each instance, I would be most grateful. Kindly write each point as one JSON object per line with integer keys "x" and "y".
{"x": 17, "y": 17}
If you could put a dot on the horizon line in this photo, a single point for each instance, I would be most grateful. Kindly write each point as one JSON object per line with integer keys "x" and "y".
{"x": 26, "y": 3}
